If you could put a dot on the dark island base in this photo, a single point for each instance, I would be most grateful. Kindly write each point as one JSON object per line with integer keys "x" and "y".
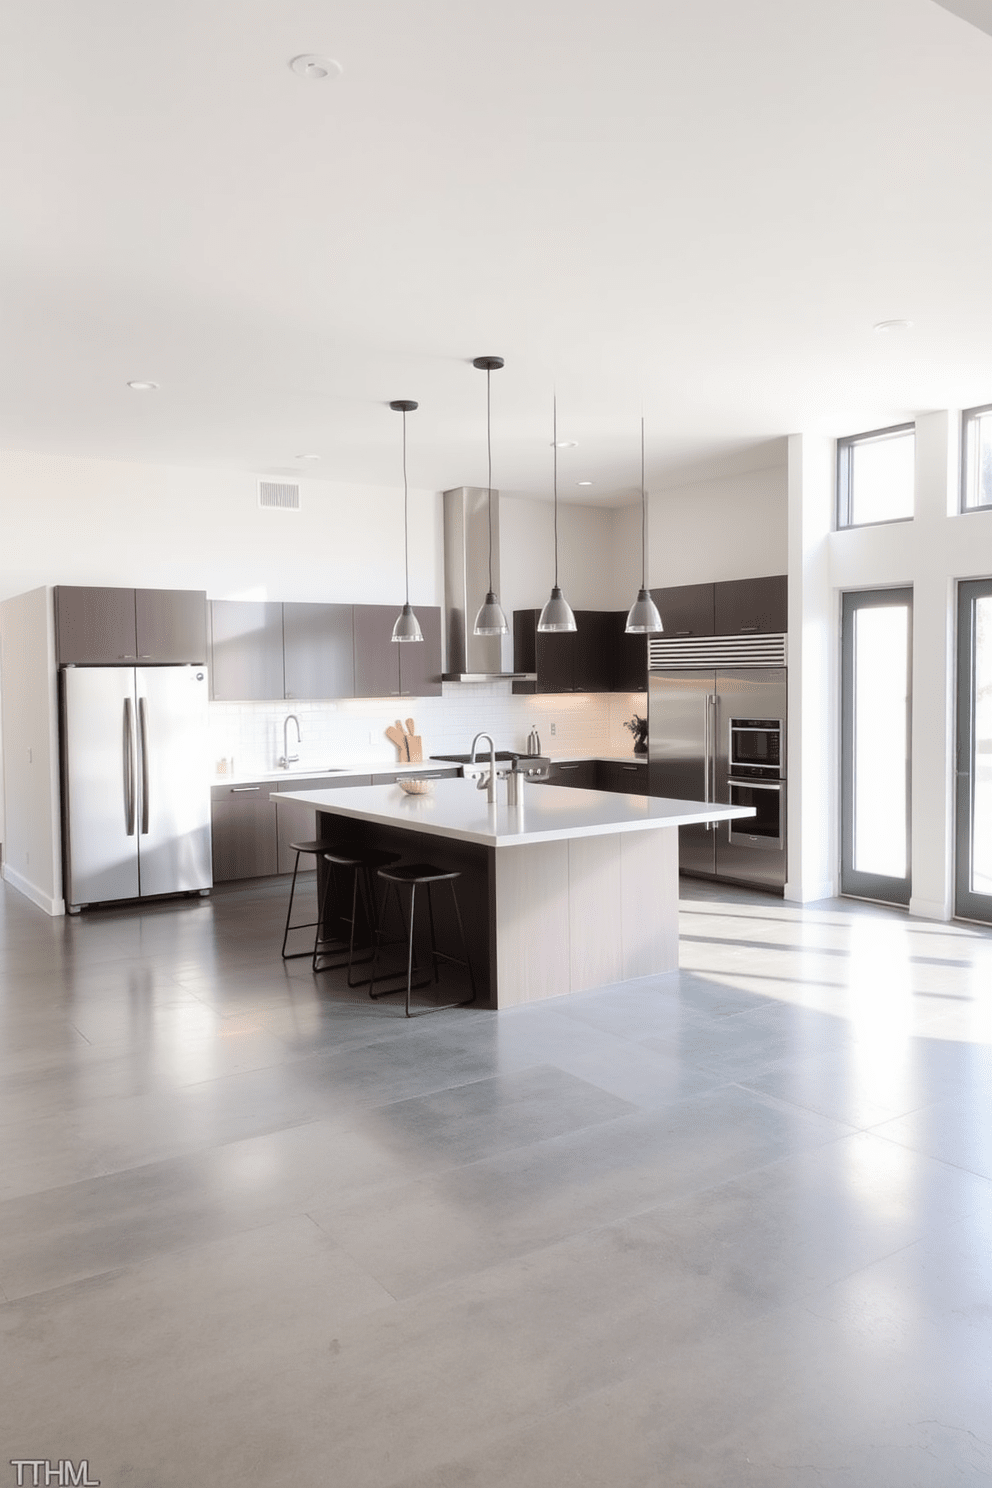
{"x": 476, "y": 890}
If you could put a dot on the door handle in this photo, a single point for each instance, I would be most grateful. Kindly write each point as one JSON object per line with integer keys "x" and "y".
{"x": 128, "y": 751}
{"x": 143, "y": 743}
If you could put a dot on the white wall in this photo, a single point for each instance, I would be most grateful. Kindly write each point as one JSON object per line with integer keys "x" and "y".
{"x": 32, "y": 861}
{"x": 527, "y": 554}
{"x": 727, "y": 525}
{"x": 814, "y": 642}
{"x": 75, "y": 521}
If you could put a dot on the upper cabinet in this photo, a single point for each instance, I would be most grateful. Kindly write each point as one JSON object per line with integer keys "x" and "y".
{"x": 171, "y": 624}
{"x": 420, "y": 663}
{"x": 110, "y": 626}
{"x": 752, "y": 606}
{"x": 388, "y": 668}
{"x": 318, "y": 650}
{"x": 687, "y": 609}
{"x": 245, "y": 650}
{"x": 581, "y": 660}
{"x": 272, "y": 651}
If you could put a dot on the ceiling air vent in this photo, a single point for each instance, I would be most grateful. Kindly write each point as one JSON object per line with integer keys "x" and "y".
{"x": 279, "y": 494}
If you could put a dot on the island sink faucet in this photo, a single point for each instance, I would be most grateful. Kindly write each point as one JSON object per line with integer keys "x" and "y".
{"x": 491, "y": 779}
{"x": 287, "y": 758}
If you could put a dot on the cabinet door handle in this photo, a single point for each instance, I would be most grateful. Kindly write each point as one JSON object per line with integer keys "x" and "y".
{"x": 239, "y": 790}
{"x": 683, "y": 632}
{"x": 628, "y": 767}
{"x": 749, "y": 629}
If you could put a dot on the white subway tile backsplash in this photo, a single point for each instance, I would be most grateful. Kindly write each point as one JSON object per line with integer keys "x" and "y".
{"x": 352, "y": 730}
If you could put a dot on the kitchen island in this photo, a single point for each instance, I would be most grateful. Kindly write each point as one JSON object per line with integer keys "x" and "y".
{"x": 568, "y": 890}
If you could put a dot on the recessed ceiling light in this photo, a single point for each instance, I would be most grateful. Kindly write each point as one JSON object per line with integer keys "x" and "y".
{"x": 566, "y": 444}
{"x": 583, "y": 483}
{"x": 892, "y": 325}
{"x": 306, "y": 457}
{"x": 143, "y": 387}
{"x": 316, "y": 68}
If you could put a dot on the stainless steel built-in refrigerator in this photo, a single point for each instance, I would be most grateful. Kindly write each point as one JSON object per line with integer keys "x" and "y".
{"x": 135, "y": 793}
{"x": 718, "y": 734}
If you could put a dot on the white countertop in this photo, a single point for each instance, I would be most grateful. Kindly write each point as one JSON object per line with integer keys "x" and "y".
{"x": 374, "y": 767}
{"x": 455, "y": 808}
{"x": 396, "y": 767}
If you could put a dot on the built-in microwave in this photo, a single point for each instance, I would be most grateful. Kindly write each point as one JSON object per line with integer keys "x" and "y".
{"x": 756, "y": 748}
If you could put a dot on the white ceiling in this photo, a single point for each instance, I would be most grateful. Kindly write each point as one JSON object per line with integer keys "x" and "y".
{"x": 699, "y": 209}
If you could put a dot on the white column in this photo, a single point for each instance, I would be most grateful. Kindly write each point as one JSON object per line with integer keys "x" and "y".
{"x": 933, "y": 668}
{"x": 813, "y": 669}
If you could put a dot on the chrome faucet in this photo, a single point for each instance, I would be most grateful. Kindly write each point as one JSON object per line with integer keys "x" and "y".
{"x": 491, "y": 778}
{"x": 287, "y": 758}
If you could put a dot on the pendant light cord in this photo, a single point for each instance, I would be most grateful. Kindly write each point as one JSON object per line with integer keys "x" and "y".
{"x": 406, "y": 521}
{"x": 644, "y": 519}
{"x": 555, "y": 446}
{"x": 489, "y": 452}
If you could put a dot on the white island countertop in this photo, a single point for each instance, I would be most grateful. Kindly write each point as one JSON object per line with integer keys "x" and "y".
{"x": 548, "y": 813}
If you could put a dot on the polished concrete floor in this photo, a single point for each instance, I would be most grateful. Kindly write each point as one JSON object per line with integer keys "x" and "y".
{"x": 731, "y": 1226}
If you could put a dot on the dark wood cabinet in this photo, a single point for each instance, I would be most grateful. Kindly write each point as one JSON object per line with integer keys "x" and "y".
{"x": 243, "y": 828}
{"x": 386, "y": 668}
{"x": 752, "y": 606}
{"x": 565, "y": 661}
{"x": 318, "y": 650}
{"x": 171, "y": 625}
{"x": 686, "y": 610}
{"x": 623, "y": 777}
{"x": 627, "y": 655}
{"x": 578, "y": 773}
{"x": 106, "y": 626}
{"x": 245, "y": 650}
{"x": 95, "y": 626}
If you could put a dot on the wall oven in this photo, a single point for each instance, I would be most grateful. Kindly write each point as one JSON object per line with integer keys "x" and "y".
{"x": 766, "y": 829}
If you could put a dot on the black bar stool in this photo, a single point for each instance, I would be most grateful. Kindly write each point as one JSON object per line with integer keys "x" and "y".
{"x": 316, "y": 848}
{"x": 361, "y": 863}
{"x": 411, "y": 876}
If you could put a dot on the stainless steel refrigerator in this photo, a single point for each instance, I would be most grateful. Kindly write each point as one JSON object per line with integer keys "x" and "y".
{"x": 718, "y": 734}
{"x": 135, "y": 789}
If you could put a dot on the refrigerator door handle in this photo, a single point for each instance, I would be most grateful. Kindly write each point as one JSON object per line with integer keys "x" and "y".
{"x": 128, "y": 753}
{"x": 143, "y": 734}
{"x": 709, "y": 735}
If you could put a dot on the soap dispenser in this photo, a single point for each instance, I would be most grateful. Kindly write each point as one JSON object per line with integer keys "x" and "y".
{"x": 533, "y": 742}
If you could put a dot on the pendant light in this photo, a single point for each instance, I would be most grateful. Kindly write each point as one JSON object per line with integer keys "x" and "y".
{"x": 643, "y": 617}
{"x": 407, "y": 627}
{"x": 557, "y": 613}
{"x": 490, "y": 620}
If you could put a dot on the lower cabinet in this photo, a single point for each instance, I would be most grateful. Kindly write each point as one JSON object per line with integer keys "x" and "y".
{"x": 243, "y": 826}
{"x": 605, "y": 775}
{"x": 578, "y": 773}
{"x": 253, "y": 834}
{"x": 618, "y": 775}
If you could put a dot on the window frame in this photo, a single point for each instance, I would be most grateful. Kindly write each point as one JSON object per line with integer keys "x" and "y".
{"x": 970, "y": 417}
{"x": 844, "y": 466}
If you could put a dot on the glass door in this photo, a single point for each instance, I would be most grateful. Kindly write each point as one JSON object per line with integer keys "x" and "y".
{"x": 973, "y": 851}
{"x": 876, "y": 699}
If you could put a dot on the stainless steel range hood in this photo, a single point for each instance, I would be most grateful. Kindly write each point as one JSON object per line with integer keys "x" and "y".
{"x": 471, "y": 658}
